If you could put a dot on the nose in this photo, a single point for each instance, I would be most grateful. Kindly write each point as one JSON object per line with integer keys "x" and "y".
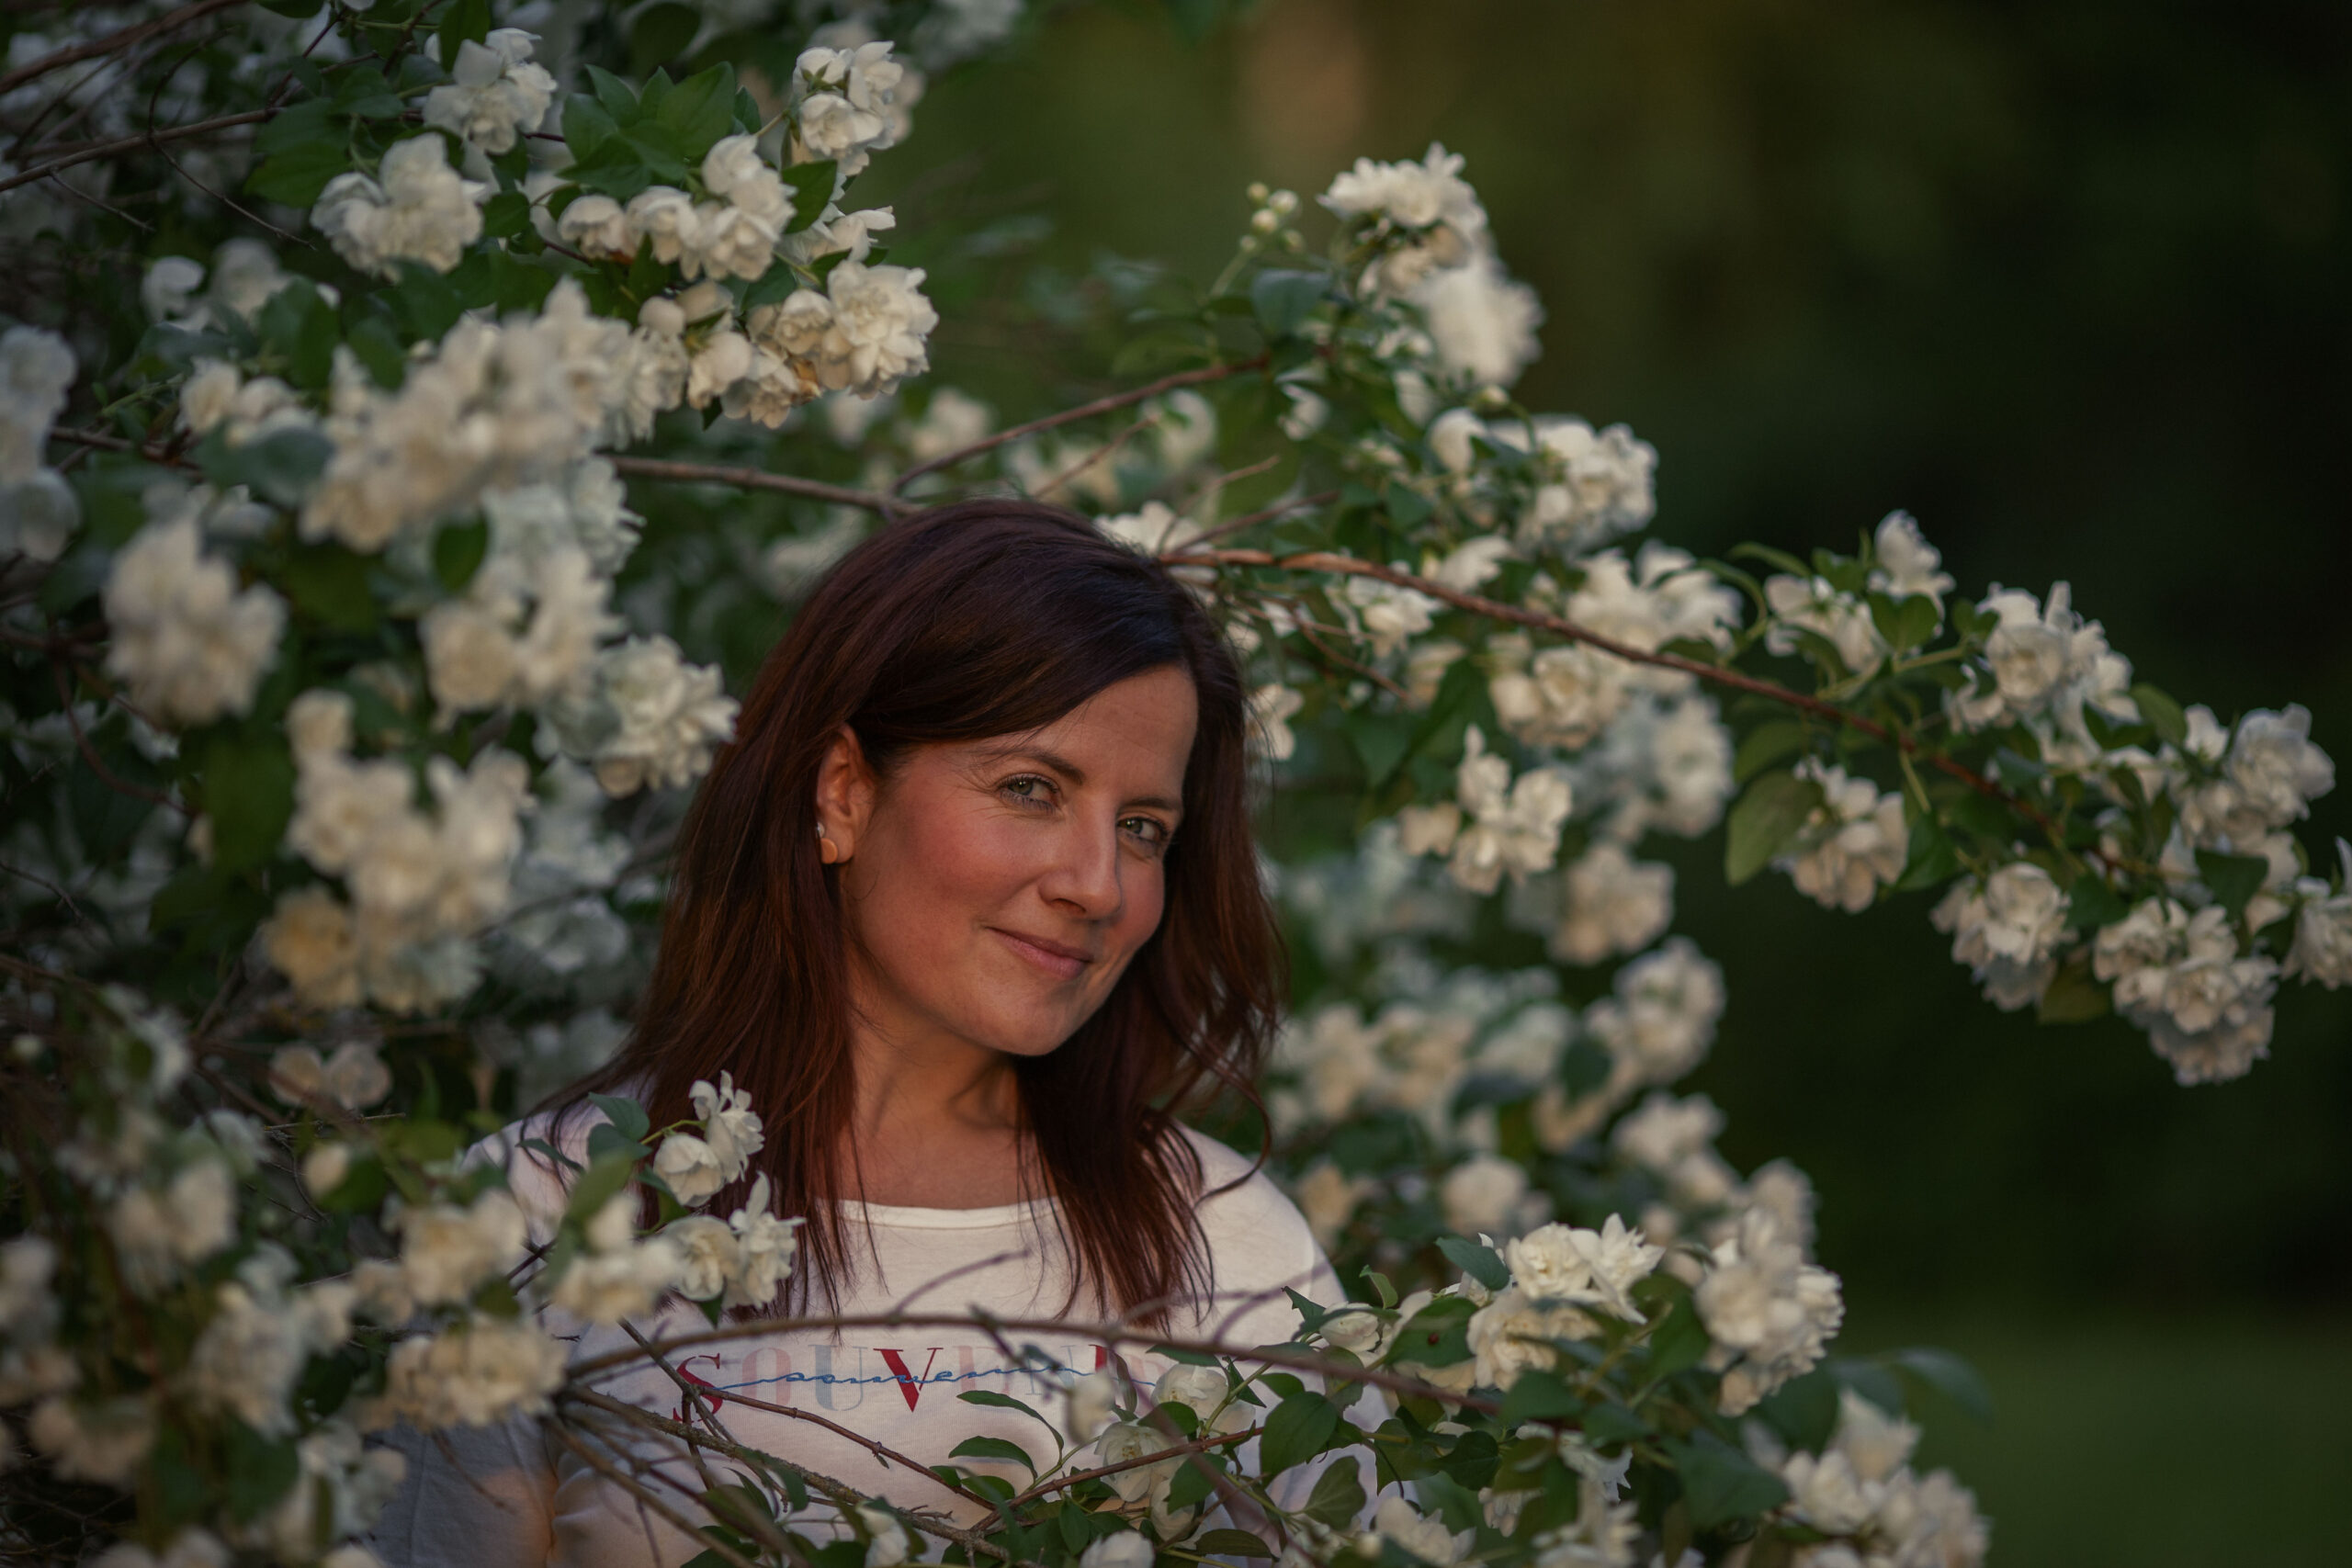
{"x": 1086, "y": 876}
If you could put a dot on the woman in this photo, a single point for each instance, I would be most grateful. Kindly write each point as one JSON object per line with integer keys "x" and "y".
{"x": 970, "y": 908}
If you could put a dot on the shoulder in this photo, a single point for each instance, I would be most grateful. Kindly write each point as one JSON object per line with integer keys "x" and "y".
{"x": 541, "y": 1154}
{"x": 1257, "y": 1238}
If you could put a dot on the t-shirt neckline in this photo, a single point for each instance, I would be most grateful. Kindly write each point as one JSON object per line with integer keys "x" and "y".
{"x": 898, "y": 1216}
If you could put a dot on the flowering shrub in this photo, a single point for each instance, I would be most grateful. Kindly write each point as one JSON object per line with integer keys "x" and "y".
{"x": 365, "y": 607}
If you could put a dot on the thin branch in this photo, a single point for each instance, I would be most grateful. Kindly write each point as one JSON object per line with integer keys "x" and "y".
{"x": 131, "y": 144}
{"x": 103, "y": 442}
{"x": 1072, "y": 415}
{"x": 1714, "y": 674}
{"x": 882, "y": 1451}
{"x": 646, "y": 1496}
{"x": 1279, "y": 509}
{"x": 757, "y": 479}
{"x": 1056, "y": 1484}
{"x": 841, "y": 1494}
{"x": 1101, "y": 454}
{"x": 90, "y": 755}
{"x": 123, "y": 39}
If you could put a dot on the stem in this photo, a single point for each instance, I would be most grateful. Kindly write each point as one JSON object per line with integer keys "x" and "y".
{"x": 1056, "y": 1484}
{"x": 131, "y": 144}
{"x": 757, "y": 479}
{"x": 122, "y": 39}
{"x": 1714, "y": 674}
{"x": 646, "y": 1496}
{"x": 882, "y": 1451}
{"x": 1071, "y": 416}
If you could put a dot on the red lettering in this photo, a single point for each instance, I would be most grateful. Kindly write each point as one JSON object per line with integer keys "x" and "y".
{"x": 909, "y": 1386}
{"x": 715, "y": 1398}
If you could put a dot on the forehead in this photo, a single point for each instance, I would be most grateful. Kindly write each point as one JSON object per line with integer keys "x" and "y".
{"x": 1134, "y": 735}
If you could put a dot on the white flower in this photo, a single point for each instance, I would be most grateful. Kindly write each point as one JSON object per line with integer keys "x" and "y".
{"x": 643, "y": 717}
{"x": 1092, "y": 1404}
{"x": 1907, "y": 564}
{"x": 1502, "y": 825}
{"x": 846, "y": 105}
{"x": 2045, "y": 663}
{"x": 167, "y": 292}
{"x": 728, "y": 1124}
{"x": 446, "y": 1251}
{"x": 1425, "y": 1536}
{"x": 1770, "y": 1312}
{"x": 354, "y": 1076}
{"x": 416, "y": 207}
{"x": 1610, "y": 905}
{"x": 1481, "y": 1192}
{"x": 876, "y": 334}
{"x": 1511, "y": 1334}
{"x": 709, "y": 1256}
{"x": 1124, "y": 1441}
{"x": 2007, "y": 932}
{"x": 618, "y": 1277}
{"x": 191, "y": 645}
{"x": 887, "y": 1546}
{"x": 1662, "y": 1018}
{"x": 1123, "y": 1549}
{"x": 1801, "y": 603}
{"x": 245, "y": 277}
{"x": 2323, "y": 944}
{"x": 1429, "y": 215}
{"x": 1560, "y": 1263}
{"x": 35, "y": 369}
{"x": 1597, "y": 484}
{"x": 734, "y": 169}
{"x": 692, "y": 1170}
{"x": 494, "y": 92}
{"x": 37, "y": 515}
{"x": 1272, "y": 708}
{"x": 1602, "y": 1536}
{"x": 157, "y": 1232}
{"x": 102, "y": 1443}
{"x": 1853, "y": 843}
{"x": 1481, "y": 320}
{"x": 1203, "y": 1389}
{"x": 479, "y": 1373}
{"x": 595, "y": 226}
{"x": 1562, "y": 696}
{"x": 2181, "y": 978}
{"x": 258, "y": 1342}
{"x": 2276, "y": 767}
{"x": 666, "y": 216}
{"x": 765, "y": 1245}
{"x": 1675, "y": 1139}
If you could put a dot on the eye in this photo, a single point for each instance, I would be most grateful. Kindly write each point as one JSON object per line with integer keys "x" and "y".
{"x": 1030, "y": 789}
{"x": 1149, "y": 830}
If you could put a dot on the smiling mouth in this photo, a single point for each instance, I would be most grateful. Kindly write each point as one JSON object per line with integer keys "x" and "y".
{"x": 1062, "y": 963}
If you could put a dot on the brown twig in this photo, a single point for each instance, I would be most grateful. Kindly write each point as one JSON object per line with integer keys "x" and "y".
{"x": 90, "y": 754}
{"x": 1072, "y": 415}
{"x": 131, "y": 144}
{"x": 122, "y": 39}
{"x": 1279, "y": 508}
{"x": 882, "y": 1451}
{"x": 1056, "y": 1484}
{"x": 757, "y": 479}
{"x": 1108, "y": 449}
{"x": 646, "y": 1496}
{"x": 1714, "y": 674}
{"x": 841, "y": 1494}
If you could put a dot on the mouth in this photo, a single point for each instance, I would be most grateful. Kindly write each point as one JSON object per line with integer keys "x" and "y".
{"x": 1058, "y": 959}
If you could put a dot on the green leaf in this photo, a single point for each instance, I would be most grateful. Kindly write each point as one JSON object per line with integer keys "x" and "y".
{"x": 1767, "y": 818}
{"x": 457, "y": 552}
{"x": 1934, "y": 860}
{"x": 1240, "y": 1543}
{"x": 1950, "y": 1375}
{"x": 1192, "y": 1483}
{"x": 1680, "y": 1342}
{"x": 2091, "y": 902}
{"x": 304, "y": 125}
{"x": 300, "y": 327}
{"x": 588, "y": 125}
{"x": 1536, "y": 1395}
{"x": 1720, "y": 1483}
{"x": 604, "y": 1177}
{"x": 2164, "y": 714}
{"x": 329, "y": 584}
{"x": 466, "y": 21}
{"x": 260, "y": 1471}
{"x": 296, "y": 176}
{"x": 1765, "y": 745}
{"x": 1803, "y": 1410}
{"x": 1483, "y": 1264}
{"x": 1284, "y": 299}
{"x": 1296, "y": 1431}
{"x": 996, "y": 1400}
{"x": 2235, "y": 879}
{"x": 996, "y": 1449}
{"x": 1190, "y": 1357}
{"x": 1473, "y": 1460}
{"x": 625, "y": 1115}
{"x": 2074, "y": 995}
{"x": 1337, "y": 1496}
{"x": 373, "y": 339}
{"x": 619, "y": 100}
{"x": 505, "y": 215}
{"x": 249, "y": 795}
{"x": 1905, "y": 623}
{"x": 700, "y": 110}
{"x": 812, "y": 186}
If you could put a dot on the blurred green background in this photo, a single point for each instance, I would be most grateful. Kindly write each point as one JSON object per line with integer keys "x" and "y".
{"x": 2068, "y": 281}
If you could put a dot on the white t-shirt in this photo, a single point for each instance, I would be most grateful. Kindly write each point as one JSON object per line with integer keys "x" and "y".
{"x": 509, "y": 1496}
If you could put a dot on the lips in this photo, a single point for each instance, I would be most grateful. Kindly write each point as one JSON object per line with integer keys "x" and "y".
{"x": 1058, "y": 959}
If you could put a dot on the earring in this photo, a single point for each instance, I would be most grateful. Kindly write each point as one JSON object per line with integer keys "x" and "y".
{"x": 827, "y": 850}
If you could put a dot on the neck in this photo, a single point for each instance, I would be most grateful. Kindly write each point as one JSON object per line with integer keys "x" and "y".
{"x": 936, "y": 1120}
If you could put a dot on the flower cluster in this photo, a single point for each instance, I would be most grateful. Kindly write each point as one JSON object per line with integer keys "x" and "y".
{"x": 38, "y": 509}
{"x": 415, "y": 207}
{"x": 188, "y": 642}
{"x": 494, "y": 95}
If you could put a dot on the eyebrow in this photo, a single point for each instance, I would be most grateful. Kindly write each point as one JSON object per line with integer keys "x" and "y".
{"x": 1072, "y": 772}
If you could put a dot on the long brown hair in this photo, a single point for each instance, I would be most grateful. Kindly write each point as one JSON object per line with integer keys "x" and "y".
{"x": 986, "y": 618}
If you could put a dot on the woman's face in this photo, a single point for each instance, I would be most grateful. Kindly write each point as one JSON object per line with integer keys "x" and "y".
{"x": 997, "y": 889}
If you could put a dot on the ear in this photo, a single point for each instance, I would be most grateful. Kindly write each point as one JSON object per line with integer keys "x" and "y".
{"x": 845, "y": 790}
